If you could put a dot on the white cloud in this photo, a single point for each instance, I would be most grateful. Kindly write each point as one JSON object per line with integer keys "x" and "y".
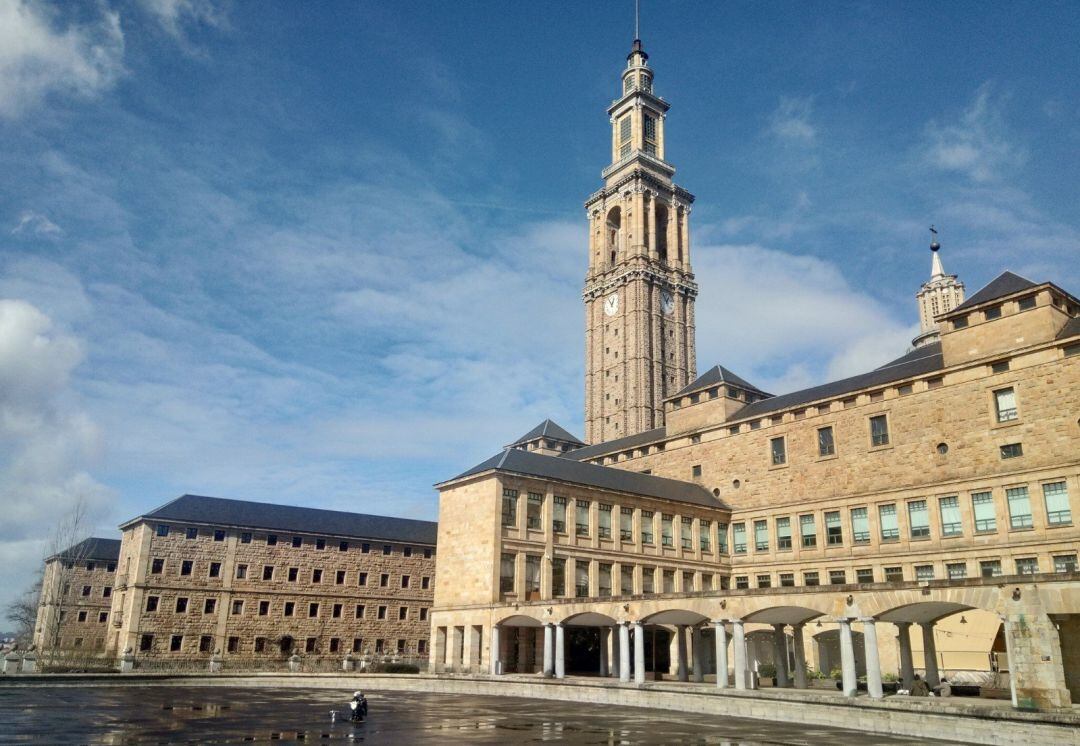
{"x": 47, "y": 442}
{"x": 790, "y": 121}
{"x": 36, "y": 224}
{"x": 40, "y": 56}
{"x": 978, "y": 144}
{"x": 177, "y": 16}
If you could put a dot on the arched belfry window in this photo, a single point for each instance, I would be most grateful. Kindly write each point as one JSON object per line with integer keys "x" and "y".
{"x": 614, "y": 233}
{"x": 661, "y": 231}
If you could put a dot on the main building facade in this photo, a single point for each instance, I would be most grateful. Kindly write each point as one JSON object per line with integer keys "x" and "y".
{"x": 920, "y": 516}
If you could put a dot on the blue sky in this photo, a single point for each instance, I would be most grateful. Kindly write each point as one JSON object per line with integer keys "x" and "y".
{"x": 331, "y": 253}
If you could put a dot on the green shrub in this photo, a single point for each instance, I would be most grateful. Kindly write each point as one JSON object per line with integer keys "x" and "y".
{"x": 836, "y": 673}
{"x": 768, "y": 670}
{"x": 400, "y": 668}
{"x": 890, "y": 677}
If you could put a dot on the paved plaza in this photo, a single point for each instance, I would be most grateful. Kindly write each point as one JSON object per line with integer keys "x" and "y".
{"x": 164, "y": 714}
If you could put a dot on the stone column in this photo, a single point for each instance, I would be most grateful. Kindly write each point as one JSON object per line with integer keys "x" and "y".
{"x": 800, "y": 655}
{"x": 639, "y": 653}
{"x": 603, "y": 652}
{"x": 739, "y": 644}
{"x": 560, "y": 652}
{"x": 907, "y": 666}
{"x": 494, "y": 654}
{"x": 873, "y": 665}
{"x": 652, "y": 226}
{"x": 624, "y": 651}
{"x": 721, "y": 654}
{"x": 698, "y": 653}
{"x": 847, "y": 659}
{"x": 930, "y": 655}
{"x": 614, "y": 660}
{"x": 549, "y": 651}
{"x": 779, "y": 647}
{"x": 680, "y": 652}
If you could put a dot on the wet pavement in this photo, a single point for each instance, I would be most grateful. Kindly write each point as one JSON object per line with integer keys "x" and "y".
{"x": 161, "y": 714}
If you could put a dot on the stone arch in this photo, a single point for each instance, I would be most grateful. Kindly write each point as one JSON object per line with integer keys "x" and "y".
{"x": 660, "y": 230}
{"x": 519, "y": 620}
{"x": 589, "y": 619}
{"x": 675, "y": 617}
{"x": 827, "y": 651}
{"x": 987, "y": 598}
{"x": 783, "y": 615}
{"x": 613, "y": 233}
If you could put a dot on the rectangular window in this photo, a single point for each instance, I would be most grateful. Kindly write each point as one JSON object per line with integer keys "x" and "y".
{"x": 219, "y": 535}
{"x": 533, "y": 509}
{"x": 1005, "y": 404}
{"x": 764, "y": 581}
{"x": 403, "y": 613}
{"x": 778, "y": 451}
{"x": 668, "y": 577}
{"x": 761, "y": 536}
{"x": 215, "y": 569}
{"x": 864, "y": 575}
{"x": 992, "y": 313}
{"x": 209, "y": 606}
{"x": 604, "y": 579}
{"x": 176, "y": 643}
{"x": 581, "y": 579}
{"x": 425, "y": 583}
{"x": 361, "y": 578}
{"x": 919, "y": 519}
{"x": 624, "y": 130}
{"x": 1019, "y": 507}
{"x": 834, "y": 532}
{"x": 532, "y": 574}
{"x": 626, "y": 524}
{"x": 1027, "y": 566}
{"x": 894, "y": 574}
{"x": 264, "y": 608}
{"x": 956, "y": 570}
{"x": 950, "y": 516}
{"x": 151, "y": 603}
{"x": 825, "y": 444}
{"x": 237, "y": 607}
{"x": 860, "y": 526}
{"x": 380, "y": 613}
{"x": 297, "y": 542}
{"x": 320, "y": 544}
{"x": 924, "y": 572}
{"x": 646, "y": 527}
{"x": 722, "y": 538}
{"x": 783, "y": 533}
{"x": 509, "y": 507}
{"x": 157, "y": 566}
{"x": 704, "y": 534}
{"x": 667, "y": 536}
{"x": 241, "y": 572}
{"x": 271, "y": 540}
{"x": 807, "y": 531}
{"x": 293, "y": 573}
{"x": 982, "y": 504}
{"x": 339, "y": 577}
{"x": 558, "y": 576}
{"x": 1012, "y": 450}
{"x": 738, "y": 533}
{"x": 879, "y": 430}
{"x": 990, "y": 568}
{"x": 405, "y": 581}
{"x": 181, "y": 605}
{"x": 837, "y": 577}
{"x": 558, "y": 518}
{"x": 695, "y": 470}
{"x": 384, "y": 580}
{"x": 581, "y": 517}
{"x": 648, "y": 580}
{"x": 810, "y": 578}
{"x": 787, "y": 579}
{"x": 1025, "y": 304}
{"x": 191, "y": 533}
{"x": 1057, "y": 503}
{"x": 686, "y": 534}
{"x": 359, "y": 611}
{"x": 1064, "y": 563}
{"x": 960, "y": 322}
{"x": 290, "y": 608}
{"x": 604, "y": 529}
{"x": 650, "y": 128}
{"x": 146, "y": 642}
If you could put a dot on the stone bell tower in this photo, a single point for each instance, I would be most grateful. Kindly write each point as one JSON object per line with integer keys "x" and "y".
{"x": 639, "y": 290}
{"x": 940, "y": 294}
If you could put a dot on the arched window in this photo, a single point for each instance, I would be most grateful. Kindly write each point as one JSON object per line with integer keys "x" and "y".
{"x": 661, "y": 231}
{"x": 614, "y": 233}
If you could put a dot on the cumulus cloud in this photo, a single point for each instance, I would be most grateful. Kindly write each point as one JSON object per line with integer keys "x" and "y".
{"x": 790, "y": 121}
{"x": 47, "y": 442}
{"x": 978, "y": 144}
{"x": 177, "y": 17}
{"x": 40, "y": 55}
{"x": 32, "y": 223}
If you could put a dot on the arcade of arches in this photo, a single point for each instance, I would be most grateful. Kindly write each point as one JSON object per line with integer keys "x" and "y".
{"x": 1027, "y": 632}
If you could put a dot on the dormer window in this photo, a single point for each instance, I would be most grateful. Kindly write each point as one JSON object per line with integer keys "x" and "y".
{"x": 1026, "y": 303}
{"x": 960, "y": 322}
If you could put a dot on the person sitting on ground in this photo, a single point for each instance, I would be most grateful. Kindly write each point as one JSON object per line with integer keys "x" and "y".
{"x": 945, "y": 690}
{"x": 919, "y": 688}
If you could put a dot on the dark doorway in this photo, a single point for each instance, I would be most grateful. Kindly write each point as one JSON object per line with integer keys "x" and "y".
{"x": 583, "y": 650}
{"x": 657, "y": 649}
{"x": 286, "y": 644}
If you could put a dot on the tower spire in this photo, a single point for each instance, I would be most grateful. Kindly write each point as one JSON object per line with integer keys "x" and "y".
{"x": 936, "y": 270}
{"x": 637, "y": 20}
{"x": 940, "y": 294}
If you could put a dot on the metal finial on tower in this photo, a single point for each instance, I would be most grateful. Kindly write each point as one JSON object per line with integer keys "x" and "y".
{"x": 637, "y": 19}
{"x": 934, "y": 245}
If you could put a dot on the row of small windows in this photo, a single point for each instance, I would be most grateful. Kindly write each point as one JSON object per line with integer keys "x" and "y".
{"x": 990, "y": 568}
{"x": 652, "y": 578}
{"x": 92, "y": 565}
{"x": 163, "y": 529}
{"x": 1022, "y": 304}
{"x": 286, "y": 644}
{"x": 288, "y": 608}
{"x": 213, "y": 570}
{"x": 581, "y": 511}
{"x": 86, "y": 615}
{"x": 984, "y": 517}
{"x": 88, "y": 591}
{"x": 637, "y": 80}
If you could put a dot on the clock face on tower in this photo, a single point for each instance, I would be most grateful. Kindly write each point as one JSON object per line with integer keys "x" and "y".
{"x": 611, "y": 304}
{"x": 667, "y": 302}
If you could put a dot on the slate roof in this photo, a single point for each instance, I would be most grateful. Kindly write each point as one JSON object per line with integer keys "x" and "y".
{"x": 219, "y": 511}
{"x": 918, "y": 362}
{"x": 547, "y": 429}
{"x": 715, "y": 375}
{"x": 1004, "y": 284}
{"x": 529, "y": 463}
{"x": 619, "y": 444}
{"x": 1071, "y": 328}
{"x": 94, "y": 548}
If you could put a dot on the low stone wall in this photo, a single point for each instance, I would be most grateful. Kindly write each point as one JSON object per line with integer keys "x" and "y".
{"x": 967, "y": 721}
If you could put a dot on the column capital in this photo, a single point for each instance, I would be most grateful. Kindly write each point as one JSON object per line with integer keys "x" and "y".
{"x": 867, "y": 620}
{"x": 902, "y": 625}
{"x": 718, "y": 622}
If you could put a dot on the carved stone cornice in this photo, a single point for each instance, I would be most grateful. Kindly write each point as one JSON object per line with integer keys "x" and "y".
{"x": 677, "y": 281}
{"x": 645, "y": 178}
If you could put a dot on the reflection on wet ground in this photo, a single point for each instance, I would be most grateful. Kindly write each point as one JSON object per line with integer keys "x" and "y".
{"x": 159, "y": 714}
